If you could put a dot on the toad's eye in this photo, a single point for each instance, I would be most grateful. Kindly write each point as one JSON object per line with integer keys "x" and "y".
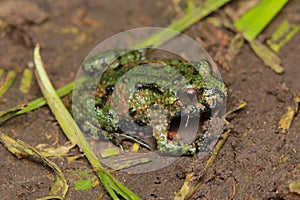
{"x": 189, "y": 95}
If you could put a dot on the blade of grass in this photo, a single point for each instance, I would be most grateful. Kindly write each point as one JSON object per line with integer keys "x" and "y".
{"x": 9, "y": 80}
{"x": 105, "y": 181}
{"x": 11, "y": 112}
{"x": 257, "y": 18}
{"x": 284, "y": 33}
{"x": 73, "y": 132}
{"x": 41, "y": 101}
{"x": 183, "y": 23}
{"x": 21, "y": 109}
{"x": 267, "y": 56}
{"x": 239, "y": 107}
{"x": 253, "y": 22}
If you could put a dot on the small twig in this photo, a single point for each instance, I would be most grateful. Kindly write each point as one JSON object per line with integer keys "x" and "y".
{"x": 191, "y": 183}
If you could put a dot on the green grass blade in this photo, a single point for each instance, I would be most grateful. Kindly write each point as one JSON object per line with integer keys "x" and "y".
{"x": 9, "y": 80}
{"x": 257, "y": 18}
{"x": 183, "y": 23}
{"x": 10, "y": 113}
{"x": 21, "y": 109}
{"x": 41, "y": 101}
{"x": 124, "y": 190}
{"x": 105, "y": 181}
{"x": 284, "y": 33}
{"x": 73, "y": 132}
{"x": 267, "y": 56}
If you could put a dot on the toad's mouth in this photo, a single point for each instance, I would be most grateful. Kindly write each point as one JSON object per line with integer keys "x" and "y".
{"x": 186, "y": 127}
{"x": 182, "y": 128}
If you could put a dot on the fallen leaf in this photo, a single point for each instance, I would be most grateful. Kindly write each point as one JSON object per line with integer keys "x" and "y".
{"x": 50, "y": 151}
{"x": 295, "y": 187}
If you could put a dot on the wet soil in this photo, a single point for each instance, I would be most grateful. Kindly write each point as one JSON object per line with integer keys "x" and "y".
{"x": 256, "y": 162}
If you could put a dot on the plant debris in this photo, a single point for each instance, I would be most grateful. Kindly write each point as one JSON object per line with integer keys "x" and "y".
{"x": 192, "y": 183}
{"x": 7, "y": 83}
{"x": 284, "y": 33}
{"x": 286, "y": 120}
{"x": 26, "y": 81}
{"x": 295, "y": 187}
{"x": 21, "y": 150}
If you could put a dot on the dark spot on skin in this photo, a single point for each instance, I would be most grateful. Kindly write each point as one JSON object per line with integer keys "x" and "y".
{"x": 195, "y": 72}
{"x": 110, "y": 89}
{"x": 132, "y": 112}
